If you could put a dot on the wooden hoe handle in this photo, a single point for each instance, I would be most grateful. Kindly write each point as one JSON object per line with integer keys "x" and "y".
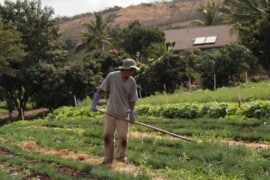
{"x": 148, "y": 126}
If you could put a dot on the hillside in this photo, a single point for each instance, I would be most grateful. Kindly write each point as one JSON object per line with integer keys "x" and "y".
{"x": 165, "y": 15}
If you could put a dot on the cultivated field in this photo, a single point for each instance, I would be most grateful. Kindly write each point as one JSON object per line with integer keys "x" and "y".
{"x": 68, "y": 143}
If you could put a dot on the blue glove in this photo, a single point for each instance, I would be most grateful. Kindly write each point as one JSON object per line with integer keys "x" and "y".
{"x": 132, "y": 115}
{"x": 95, "y": 102}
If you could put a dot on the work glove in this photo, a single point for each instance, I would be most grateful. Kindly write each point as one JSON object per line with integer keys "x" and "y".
{"x": 132, "y": 115}
{"x": 95, "y": 102}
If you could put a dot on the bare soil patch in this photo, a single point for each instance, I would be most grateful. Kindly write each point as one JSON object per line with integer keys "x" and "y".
{"x": 31, "y": 114}
{"x": 31, "y": 145}
{"x": 257, "y": 146}
{"x": 90, "y": 159}
{"x": 141, "y": 135}
{"x": 86, "y": 158}
{"x": 251, "y": 145}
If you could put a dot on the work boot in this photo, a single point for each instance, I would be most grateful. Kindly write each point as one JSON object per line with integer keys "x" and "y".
{"x": 122, "y": 160}
{"x": 105, "y": 162}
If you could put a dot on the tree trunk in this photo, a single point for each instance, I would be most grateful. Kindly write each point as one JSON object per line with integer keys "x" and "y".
{"x": 215, "y": 82}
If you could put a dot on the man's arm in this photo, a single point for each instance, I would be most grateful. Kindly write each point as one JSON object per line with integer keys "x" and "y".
{"x": 132, "y": 106}
{"x": 96, "y": 98}
{"x": 132, "y": 111}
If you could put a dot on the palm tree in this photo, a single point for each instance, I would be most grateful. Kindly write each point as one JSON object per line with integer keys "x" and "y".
{"x": 97, "y": 34}
{"x": 211, "y": 14}
{"x": 244, "y": 11}
{"x": 158, "y": 50}
{"x": 247, "y": 15}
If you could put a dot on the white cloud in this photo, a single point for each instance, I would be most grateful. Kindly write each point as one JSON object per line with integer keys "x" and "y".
{"x": 75, "y": 7}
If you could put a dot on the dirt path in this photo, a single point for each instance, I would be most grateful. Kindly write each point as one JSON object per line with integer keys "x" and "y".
{"x": 115, "y": 166}
{"x": 31, "y": 114}
{"x": 32, "y": 146}
{"x": 30, "y": 174}
{"x": 118, "y": 166}
{"x": 251, "y": 145}
{"x": 42, "y": 112}
{"x": 86, "y": 158}
{"x": 141, "y": 135}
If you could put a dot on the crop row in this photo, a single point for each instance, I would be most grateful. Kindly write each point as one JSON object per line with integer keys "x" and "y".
{"x": 254, "y": 109}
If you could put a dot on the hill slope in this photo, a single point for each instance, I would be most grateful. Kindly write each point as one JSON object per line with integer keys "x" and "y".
{"x": 166, "y": 15}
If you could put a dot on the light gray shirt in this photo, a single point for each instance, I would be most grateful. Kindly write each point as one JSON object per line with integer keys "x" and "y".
{"x": 121, "y": 92}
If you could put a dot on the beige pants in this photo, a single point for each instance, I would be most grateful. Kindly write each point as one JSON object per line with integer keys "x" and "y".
{"x": 112, "y": 124}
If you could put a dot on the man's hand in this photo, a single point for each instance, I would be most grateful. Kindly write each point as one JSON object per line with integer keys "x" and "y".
{"x": 132, "y": 115}
{"x": 95, "y": 102}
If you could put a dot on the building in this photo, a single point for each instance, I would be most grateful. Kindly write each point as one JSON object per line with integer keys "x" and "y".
{"x": 200, "y": 38}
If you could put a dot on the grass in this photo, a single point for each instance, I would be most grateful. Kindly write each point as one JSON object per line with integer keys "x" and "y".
{"x": 169, "y": 158}
{"x": 248, "y": 92}
{"x": 25, "y": 163}
{"x": 154, "y": 155}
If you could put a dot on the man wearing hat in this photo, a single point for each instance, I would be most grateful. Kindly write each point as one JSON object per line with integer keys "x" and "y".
{"x": 122, "y": 97}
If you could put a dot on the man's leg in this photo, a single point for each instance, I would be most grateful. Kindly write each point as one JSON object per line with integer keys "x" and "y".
{"x": 122, "y": 130}
{"x": 109, "y": 129}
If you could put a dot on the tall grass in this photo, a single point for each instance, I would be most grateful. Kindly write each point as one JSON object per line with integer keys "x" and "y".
{"x": 243, "y": 92}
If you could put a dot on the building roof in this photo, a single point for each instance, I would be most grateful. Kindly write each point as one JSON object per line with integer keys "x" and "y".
{"x": 201, "y": 37}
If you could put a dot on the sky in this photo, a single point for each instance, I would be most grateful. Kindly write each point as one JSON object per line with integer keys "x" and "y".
{"x": 75, "y": 7}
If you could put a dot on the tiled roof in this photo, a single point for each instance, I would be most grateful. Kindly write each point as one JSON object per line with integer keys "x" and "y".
{"x": 184, "y": 38}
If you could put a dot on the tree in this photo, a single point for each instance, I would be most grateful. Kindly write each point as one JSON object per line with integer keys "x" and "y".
{"x": 251, "y": 19}
{"x": 82, "y": 77}
{"x": 158, "y": 50}
{"x": 263, "y": 36}
{"x": 137, "y": 39}
{"x": 97, "y": 34}
{"x": 211, "y": 13}
{"x": 57, "y": 86}
{"x": 11, "y": 53}
{"x": 39, "y": 33}
{"x": 165, "y": 74}
{"x": 205, "y": 64}
{"x": 11, "y": 50}
{"x": 48, "y": 84}
{"x": 244, "y": 12}
{"x": 227, "y": 64}
{"x": 109, "y": 62}
{"x": 233, "y": 62}
{"x": 256, "y": 38}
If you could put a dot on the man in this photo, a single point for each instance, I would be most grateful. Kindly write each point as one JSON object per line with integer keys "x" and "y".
{"x": 122, "y": 97}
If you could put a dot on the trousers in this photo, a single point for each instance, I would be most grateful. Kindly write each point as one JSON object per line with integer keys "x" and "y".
{"x": 111, "y": 125}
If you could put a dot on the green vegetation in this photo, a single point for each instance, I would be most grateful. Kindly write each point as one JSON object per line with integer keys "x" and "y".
{"x": 2, "y": 107}
{"x": 40, "y": 73}
{"x": 211, "y": 124}
{"x": 80, "y": 130}
{"x": 247, "y": 92}
{"x": 256, "y": 109}
{"x": 48, "y": 71}
{"x": 27, "y": 164}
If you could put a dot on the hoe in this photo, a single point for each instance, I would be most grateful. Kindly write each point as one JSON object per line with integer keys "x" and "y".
{"x": 148, "y": 126}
